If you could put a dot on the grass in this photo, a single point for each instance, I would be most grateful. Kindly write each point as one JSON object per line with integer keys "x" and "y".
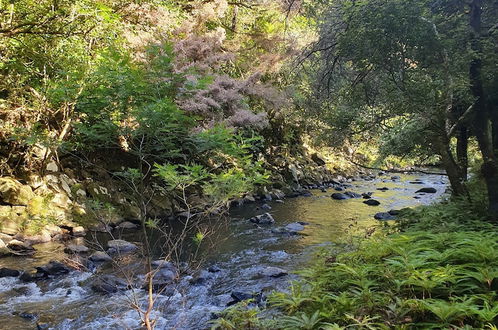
{"x": 435, "y": 269}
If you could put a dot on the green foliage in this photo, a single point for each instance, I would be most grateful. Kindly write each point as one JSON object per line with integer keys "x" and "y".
{"x": 240, "y": 316}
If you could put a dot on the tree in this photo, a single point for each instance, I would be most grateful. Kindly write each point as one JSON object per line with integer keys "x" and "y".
{"x": 485, "y": 122}
{"x": 398, "y": 70}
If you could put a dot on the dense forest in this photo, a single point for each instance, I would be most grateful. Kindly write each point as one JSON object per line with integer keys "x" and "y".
{"x": 150, "y": 139}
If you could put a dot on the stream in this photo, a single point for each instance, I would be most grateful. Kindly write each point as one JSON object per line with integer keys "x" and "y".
{"x": 250, "y": 259}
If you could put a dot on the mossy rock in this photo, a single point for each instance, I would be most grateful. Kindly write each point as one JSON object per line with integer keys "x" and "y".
{"x": 15, "y": 193}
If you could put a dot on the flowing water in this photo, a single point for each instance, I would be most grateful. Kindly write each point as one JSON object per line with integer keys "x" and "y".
{"x": 236, "y": 261}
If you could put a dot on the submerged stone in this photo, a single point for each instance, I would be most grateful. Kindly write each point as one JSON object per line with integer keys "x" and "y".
{"x": 294, "y": 227}
{"x": 263, "y": 219}
{"x": 339, "y": 196}
{"x": 109, "y": 284}
{"x": 384, "y": 216}
{"x": 428, "y": 190}
{"x": 372, "y": 202}
{"x": 273, "y": 272}
{"x": 121, "y": 246}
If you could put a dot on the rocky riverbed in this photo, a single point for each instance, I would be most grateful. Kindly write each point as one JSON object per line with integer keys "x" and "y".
{"x": 75, "y": 284}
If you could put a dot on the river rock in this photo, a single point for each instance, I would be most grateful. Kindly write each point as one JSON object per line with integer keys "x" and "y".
{"x": 372, "y": 202}
{"x": 101, "y": 228}
{"x": 109, "y": 284}
{"x": 7, "y": 272}
{"x": 428, "y": 190}
{"x": 76, "y": 248}
{"x": 263, "y": 219}
{"x": 42, "y": 237}
{"x": 338, "y": 188}
{"x": 306, "y": 193}
{"x": 20, "y": 247}
{"x": 352, "y": 194}
{"x": 27, "y": 316}
{"x": 367, "y": 195}
{"x": 416, "y": 182}
{"x": 78, "y": 231}
{"x": 266, "y": 207}
{"x": 277, "y": 194}
{"x": 100, "y": 256}
{"x": 162, "y": 278}
{"x": 339, "y": 196}
{"x": 53, "y": 268}
{"x": 383, "y": 189}
{"x": 201, "y": 278}
{"x": 273, "y": 272}
{"x": 395, "y": 177}
{"x": 164, "y": 265}
{"x": 294, "y": 227}
{"x": 31, "y": 276}
{"x": 214, "y": 269}
{"x": 384, "y": 216}
{"x": 53, "y": 230}
{"x": 121, "y": 246}
{"x": 127, "y": 225}
{"x": 293, "y": 194}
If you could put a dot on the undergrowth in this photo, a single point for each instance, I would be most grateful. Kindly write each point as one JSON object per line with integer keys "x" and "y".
{"x": 436, "y": 269}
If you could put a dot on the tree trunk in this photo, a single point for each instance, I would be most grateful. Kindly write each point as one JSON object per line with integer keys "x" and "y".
{"x": 482, "y": 121}
{"x": 461, "y": 150}
{"x": 451, "y": 167}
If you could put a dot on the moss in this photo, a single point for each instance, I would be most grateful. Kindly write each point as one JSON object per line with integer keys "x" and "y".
{"x": 38, "y": 206}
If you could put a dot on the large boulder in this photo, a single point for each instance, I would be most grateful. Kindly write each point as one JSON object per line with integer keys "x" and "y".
{"x": 13, "y": 192}
{"x": 263, "y": 219}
